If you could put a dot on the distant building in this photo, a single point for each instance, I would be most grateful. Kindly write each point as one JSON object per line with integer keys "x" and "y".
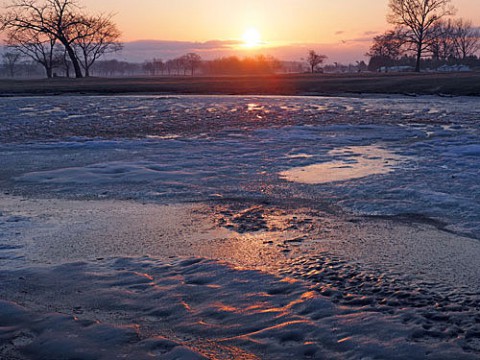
{"x": 454, "y": 68}
{"x": 403, "y": 68}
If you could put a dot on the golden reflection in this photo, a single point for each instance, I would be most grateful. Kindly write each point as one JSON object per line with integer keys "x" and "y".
{"x": 289, "y": 280}
{"x": 227, "y": 308}
{"x": 254, "y": 107}
{"x": 344, "y": 339}
{"x": 144, "y": 275}
{"x": 309, "y": 295}
{"x": 186, "y": 306}
{"x": 358, "y": 162}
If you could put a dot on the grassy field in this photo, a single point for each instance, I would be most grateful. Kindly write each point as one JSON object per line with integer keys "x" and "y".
{"x": 298, "y": 84}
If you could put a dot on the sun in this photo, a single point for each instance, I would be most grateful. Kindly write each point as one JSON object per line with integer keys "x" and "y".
{"x": 251, "y": 38}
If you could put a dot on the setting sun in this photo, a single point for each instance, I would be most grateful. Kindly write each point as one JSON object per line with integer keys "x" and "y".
{"x": 251, "y": 38}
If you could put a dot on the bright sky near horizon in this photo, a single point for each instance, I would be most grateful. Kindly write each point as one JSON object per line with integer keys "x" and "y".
{"x": 285, "y": 21}
{"x": 349, "y": 24}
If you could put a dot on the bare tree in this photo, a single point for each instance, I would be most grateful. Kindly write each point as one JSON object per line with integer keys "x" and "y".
{"x": 57, "y": 18}
{"x": 192, "y": 62}
{"x": 62, "y": 58}
{"x": 441, "y": 42}
{"x": 179, "y": 65}
{"x": 37, "y": 46}
{"x": 170, "y": 66}
{"x": 387, "y": 45}
{"x": 314, "y": 59}
{"x": 95, "y": 36}
{"x": 10, "y": 61}
{"x": 149, "y": 68}
{"x": 466, "y": 38}
{"x": 154, "y": 67}
{"x": 418, "y": 17}
{"x": 158, "y": 66}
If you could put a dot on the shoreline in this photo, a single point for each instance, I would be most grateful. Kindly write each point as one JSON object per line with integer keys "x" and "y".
{"x": 407, "y": 84}
{"x": 266, "y": 96}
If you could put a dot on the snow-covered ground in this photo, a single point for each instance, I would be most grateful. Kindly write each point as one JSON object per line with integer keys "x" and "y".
{"x": 372, "y": 204}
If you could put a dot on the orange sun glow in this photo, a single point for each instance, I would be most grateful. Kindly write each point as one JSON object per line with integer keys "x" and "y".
{"x": 251, "y": 38}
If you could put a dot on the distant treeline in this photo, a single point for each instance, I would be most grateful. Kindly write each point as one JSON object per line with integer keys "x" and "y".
{"x": 231, "y": 65}
{"x": 225, "y": 66}
{"x": 186, "y": 65}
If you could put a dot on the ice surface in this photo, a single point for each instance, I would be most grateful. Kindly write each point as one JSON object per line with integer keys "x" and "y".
{"x": 198, "y": 147}
{"x": 191, "y": 309}
{"x": 177, "y": 149}
{"x": 233, "y": 150}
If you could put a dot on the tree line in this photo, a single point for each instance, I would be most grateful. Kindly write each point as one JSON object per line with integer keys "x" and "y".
{"x": 191, "y": 64}
{"x": 187, "y": 64}
{"x": 58, "y": 34}
{"x": 424, "y": 33}
{"x": 13, "y": 65}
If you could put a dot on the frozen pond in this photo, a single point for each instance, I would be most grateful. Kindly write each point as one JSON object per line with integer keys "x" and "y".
{"x": 378, "y": 156}
{"x": 239, "y": 227}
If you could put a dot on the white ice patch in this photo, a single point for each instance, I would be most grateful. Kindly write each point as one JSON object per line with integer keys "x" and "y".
{"x": 358, "y": 162}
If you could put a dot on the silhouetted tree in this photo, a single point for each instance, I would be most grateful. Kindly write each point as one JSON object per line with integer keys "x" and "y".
{"x": 418, "y": 17}
{"x": 386, "y": 48}
{"x": 37, "y": 46}
{"x": 10, "y": 60}
{"x": 314, "y": 59}
{"x": 149, "y": 68}
{"x": 85, "y": 38}
{"x": 57, "y": 18}
{"x": 117, "y": 68}
{"x": 177, "y": 66}
{"x": 63, "y": 60}
{"x": 158, "y": 65}
{"x": 192, "y": 62}
{"x": 95, "y": 36}
{"x": 441, "y": 41}
{"x": 232, "y": 65}
{"x": 170, "y": 66}
{"x": 466, "y": 38}
{"x": 388, "y": 45}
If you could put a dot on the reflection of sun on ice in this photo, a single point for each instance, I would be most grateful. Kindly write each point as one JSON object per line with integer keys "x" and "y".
{"x": 251, "y": 38}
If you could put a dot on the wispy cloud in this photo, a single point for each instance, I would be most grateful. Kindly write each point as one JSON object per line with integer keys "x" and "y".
{"x": 167, "y": 45}
{"x": 362, "y": 39}
{"x": 139, "y": 51}
{"x": 142, "y": 50}
{"x": 217, "y": 44}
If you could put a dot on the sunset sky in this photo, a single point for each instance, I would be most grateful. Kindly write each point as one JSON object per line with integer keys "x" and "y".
{"x": 342, "y": 29}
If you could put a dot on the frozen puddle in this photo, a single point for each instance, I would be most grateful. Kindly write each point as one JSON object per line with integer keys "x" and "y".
{"x": 358, "y": 162}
